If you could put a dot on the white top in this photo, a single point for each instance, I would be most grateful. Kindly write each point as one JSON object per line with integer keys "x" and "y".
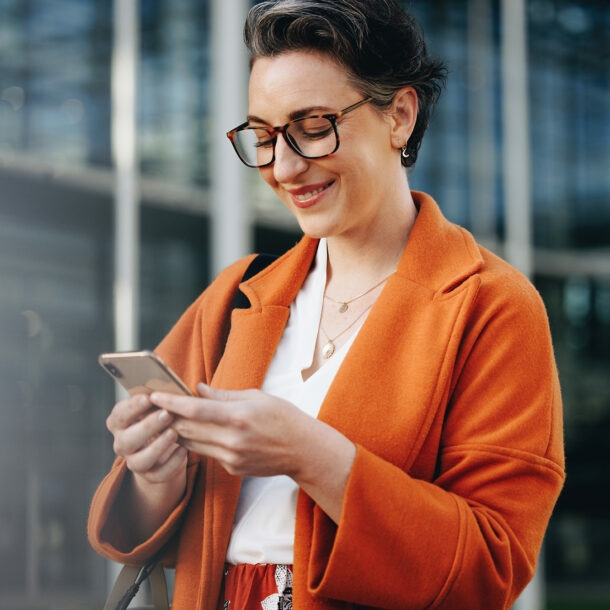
{"x": 263, "y": 530}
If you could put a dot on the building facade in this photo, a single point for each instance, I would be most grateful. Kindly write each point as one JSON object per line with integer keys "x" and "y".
{"x": 56, "y": 247}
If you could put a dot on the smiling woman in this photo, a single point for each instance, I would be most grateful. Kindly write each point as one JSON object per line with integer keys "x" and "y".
{"x": 383, "y": 427}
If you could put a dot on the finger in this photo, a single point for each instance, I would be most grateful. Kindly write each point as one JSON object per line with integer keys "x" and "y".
{"x": 205, "y": 432}
{"x": 142, "y": 433}
{"x": 154, "y": 455}
{"x": 174, "y": 464}
{"x": 205, "y": 391}
{"x": 190, "y": 408}
{"x": 211, "y": 450}
{"x": 128, "y": 411}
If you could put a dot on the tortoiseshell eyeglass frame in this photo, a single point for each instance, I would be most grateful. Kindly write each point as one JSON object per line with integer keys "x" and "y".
{"x": 274, "y": 131}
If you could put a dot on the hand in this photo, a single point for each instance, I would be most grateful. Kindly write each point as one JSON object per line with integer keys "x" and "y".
{"x": 143, "y": 435}
{"x": 254, "y": 434}
{"x": 249, "y": 432}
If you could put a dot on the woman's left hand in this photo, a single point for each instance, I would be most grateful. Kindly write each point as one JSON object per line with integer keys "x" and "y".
{"x": 251, "y": 433}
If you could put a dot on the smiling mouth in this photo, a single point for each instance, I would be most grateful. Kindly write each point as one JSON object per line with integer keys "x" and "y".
{"x": 305, "y": 196}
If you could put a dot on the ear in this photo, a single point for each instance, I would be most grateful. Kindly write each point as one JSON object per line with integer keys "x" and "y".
{"x": 403, "y": 115}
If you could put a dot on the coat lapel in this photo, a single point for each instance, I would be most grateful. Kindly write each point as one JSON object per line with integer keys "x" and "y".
{"x": 410, "y": 341}
{"x": 412, "y": 334}
{"x": 255, "y": 333}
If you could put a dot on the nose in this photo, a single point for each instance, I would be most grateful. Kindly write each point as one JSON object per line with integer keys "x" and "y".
{"x": 288, "y": 163}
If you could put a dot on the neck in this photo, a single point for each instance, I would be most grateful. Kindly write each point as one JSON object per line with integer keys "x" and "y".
{"x": 373, "y": 253}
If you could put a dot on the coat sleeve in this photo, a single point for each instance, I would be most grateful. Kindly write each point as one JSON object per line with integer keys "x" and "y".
{"x": 192, "y": 349}
{"x": 468, "y": 537}
{"x": 107, "y": 526}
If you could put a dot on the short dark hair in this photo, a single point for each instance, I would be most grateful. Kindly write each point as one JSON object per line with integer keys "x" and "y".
{"x": 381, "y": 46}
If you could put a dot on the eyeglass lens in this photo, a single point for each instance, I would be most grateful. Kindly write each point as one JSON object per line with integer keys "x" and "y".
{"x": 311, "y": 137}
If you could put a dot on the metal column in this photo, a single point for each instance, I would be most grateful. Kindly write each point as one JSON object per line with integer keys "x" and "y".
{"x": 516, "y": 145}
{"x": 126, "y": 197}
{"x": 124, "y": 154}
{"x": 482, "y": 147}
{"x": 228, "y": 95}
{"x": 517, "y": 183}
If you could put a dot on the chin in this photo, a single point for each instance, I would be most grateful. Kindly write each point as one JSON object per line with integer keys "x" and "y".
{"x": 317, "y": 230}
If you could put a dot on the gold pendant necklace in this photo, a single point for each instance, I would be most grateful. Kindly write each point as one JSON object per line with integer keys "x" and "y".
{"x": 329, "y": 347}
{"x": 344, "y": 305}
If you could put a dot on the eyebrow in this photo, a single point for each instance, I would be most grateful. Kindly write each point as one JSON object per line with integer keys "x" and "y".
{"x": 296, "y": 114}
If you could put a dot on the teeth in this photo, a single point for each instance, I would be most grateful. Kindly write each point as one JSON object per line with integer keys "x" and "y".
{"x": 305, "y": 196}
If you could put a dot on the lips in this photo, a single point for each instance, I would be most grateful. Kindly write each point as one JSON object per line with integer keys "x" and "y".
{"x": 307, "y": 196}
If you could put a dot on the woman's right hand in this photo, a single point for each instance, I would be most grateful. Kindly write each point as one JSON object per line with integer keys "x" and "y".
{"x": 144, "y": 437}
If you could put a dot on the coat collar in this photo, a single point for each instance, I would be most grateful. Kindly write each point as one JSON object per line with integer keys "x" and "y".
{"x": 439, "y": 256}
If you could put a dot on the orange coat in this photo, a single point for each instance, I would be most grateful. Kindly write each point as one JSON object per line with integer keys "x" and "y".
{"x": 451, "y": 395}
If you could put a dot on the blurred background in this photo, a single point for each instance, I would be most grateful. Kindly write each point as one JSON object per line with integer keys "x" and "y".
{"x": 60, "y": 301}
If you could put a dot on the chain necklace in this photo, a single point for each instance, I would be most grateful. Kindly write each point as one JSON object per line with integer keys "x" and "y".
{"x": 329, "y": 347}
{"x": 344, "y": 305}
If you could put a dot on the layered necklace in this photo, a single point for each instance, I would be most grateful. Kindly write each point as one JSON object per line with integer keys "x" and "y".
{"x": 329, "y": 347}
{"x": 344, "y": 305}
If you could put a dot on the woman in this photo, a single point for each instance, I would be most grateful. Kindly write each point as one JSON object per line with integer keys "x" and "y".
{"x": 382, "y": 428}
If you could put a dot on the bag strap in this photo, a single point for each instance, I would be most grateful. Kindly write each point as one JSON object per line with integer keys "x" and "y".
{"x": 130, "y": 578}
{"x": 262, "y": 261}
{"x": 257, "y": 264}
{"x": 128, "y": 583}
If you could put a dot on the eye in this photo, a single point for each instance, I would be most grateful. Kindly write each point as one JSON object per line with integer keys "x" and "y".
{"x": 312, "y": 128}
{"x": 263, "y": 139}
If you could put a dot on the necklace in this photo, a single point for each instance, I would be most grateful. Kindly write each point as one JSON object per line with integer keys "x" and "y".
{"x": 344, "y": 305}
{"x": 329, "y": 347}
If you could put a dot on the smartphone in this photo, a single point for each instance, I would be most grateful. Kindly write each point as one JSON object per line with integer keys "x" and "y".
{"x": 142, "y": 372}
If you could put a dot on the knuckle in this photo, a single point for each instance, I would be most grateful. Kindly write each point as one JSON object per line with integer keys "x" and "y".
{"x": 133, "y": 464}
{"x": 223, "y": 395}
{"x": 233, "y": 466}
{"x": 120, "y": 447}
{"x": 182, "y": 427}
{"x": 236, "y": 450}
{"x": 239, "y": 419}
{"x": 116, "y": 447}
{"x": 191, "y": 411}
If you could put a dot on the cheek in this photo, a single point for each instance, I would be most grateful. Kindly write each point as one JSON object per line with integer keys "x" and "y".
{"x": 266, "y": 173}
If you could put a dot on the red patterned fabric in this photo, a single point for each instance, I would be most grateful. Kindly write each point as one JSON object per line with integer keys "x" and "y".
{"x": 258, "y": 587}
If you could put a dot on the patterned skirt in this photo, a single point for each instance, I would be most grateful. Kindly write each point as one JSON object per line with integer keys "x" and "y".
{"x": 258, "y": 587}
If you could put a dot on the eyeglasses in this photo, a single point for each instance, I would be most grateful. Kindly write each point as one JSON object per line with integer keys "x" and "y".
{"x": 311, "y": 137}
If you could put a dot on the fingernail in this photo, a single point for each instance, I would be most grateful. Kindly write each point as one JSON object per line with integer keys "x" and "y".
{"x": 164, "y": 417}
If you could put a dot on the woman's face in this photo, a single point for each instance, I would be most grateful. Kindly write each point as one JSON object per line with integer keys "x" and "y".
{"x": 349, "y": 191}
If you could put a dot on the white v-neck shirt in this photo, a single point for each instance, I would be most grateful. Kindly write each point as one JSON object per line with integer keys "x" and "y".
{"x": 263, "y": 529}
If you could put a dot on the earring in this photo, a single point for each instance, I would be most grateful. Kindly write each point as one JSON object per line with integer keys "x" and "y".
{"x": 404, "y": 153}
